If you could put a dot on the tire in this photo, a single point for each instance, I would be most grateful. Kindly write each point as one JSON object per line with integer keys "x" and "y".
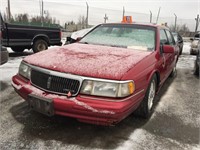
{"x": 18, "y": 49}
{"x": 146, "y": 107}
{"x": 39, "y": 45}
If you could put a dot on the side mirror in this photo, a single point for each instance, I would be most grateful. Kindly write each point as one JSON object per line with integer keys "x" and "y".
{"x": 168, "y": 49}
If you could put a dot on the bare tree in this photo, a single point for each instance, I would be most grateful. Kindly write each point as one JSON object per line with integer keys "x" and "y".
{"x": 82, "y": 22}
{"x": 181, "y": 29}
{"x": 22, "y": 18}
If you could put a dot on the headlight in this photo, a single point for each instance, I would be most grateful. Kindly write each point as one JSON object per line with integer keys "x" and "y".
{"x": 107, "y": 89}
{"x": 25, "y": 70}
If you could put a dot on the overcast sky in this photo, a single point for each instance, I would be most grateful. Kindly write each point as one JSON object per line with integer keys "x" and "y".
{"x": 67, "y": 10}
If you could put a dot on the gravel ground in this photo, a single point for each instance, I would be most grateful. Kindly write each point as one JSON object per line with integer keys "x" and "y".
{"x": 175, "y": 123}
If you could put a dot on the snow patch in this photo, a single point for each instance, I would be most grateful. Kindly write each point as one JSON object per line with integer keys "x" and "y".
{"x": 89, "y": 60}
{"x": 142, "y": 139}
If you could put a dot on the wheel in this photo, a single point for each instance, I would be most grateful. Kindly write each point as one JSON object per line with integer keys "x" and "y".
{"x": 39, "y": 45}
{"x": 18, "y": 49}
{"x": 173, "y": 73}
{"x": 146, "y": 107}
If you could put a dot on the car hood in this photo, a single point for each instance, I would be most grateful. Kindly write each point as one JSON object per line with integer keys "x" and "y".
{"x": 89, "y": 60}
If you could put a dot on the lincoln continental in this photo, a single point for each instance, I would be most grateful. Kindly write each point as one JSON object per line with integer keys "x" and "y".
{"x": 106, "y": 75}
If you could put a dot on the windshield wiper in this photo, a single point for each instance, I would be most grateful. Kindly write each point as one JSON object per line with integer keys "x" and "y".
{"x": 120, "y": 46}
{"x": 83, "y": 42}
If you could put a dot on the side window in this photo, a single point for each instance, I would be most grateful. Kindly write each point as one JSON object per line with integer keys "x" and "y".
{"x": 180, "y": 39}
{"x": 170, "y": 38}
{"x": 163, "y": 37}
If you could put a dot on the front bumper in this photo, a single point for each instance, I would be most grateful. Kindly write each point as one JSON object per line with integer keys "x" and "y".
{"x": 94, "y": 110}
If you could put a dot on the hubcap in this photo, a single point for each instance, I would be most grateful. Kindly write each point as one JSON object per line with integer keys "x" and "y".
{"x": 41, "y": 47}
{"x": 151, "y": 96}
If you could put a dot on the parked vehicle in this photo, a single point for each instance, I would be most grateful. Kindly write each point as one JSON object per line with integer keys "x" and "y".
{"x": 197, "y": 60}
{"x": 77, "y": 34}
{"x": 20, "y": 37}
{"x": 179, "y": 40}
{"x": 112, "y": 71}
{"x": 194, "y": 44}
{"x": 4, "y": 55}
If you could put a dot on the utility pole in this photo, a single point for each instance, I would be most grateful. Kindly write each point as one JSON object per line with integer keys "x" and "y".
{"x": 123, "y": 14}
{"x": 9, "y": 13}
{"x": 158, "y": 15}
{"x": 40, "y": 7}
{"x": 42, "y": 13}
{"x": 105, "y": 18}
{"x": 175, "y": 22}
{"x": 150, "y": 16}
{"x": 87, "y": 15}
{"x": 197, "y": 23}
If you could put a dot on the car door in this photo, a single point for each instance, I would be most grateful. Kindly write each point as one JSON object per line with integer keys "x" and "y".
{"x": 171, "y": 57}
{"x": 163, "y": 56}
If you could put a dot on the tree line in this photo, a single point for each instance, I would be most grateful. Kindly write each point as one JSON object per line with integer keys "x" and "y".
{"x": 183, "y": 30}
{"x": 25, "y": 18}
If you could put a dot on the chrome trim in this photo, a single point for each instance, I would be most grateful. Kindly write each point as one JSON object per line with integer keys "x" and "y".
{"x": 49, "y": 82}
{"x": 94, "y": 98}
{"x": 54, "y": 73}
{"x": 71, "y": 76}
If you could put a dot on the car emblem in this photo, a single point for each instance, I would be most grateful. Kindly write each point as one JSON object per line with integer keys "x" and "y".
{"x": 69, "y": 94}
{"x": 49, "y": 82}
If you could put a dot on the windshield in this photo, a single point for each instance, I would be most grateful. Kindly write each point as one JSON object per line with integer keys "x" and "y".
{"x": 127, "y": 36}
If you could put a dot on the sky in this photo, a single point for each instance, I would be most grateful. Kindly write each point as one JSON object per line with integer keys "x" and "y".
{"x": 67, "y": 10}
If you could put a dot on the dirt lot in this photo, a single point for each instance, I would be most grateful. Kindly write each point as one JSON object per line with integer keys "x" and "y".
{"x": 175, "y": 123}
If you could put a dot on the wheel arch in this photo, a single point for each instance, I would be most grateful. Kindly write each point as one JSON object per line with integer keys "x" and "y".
{"x": 157, "y": 74}
{"x": 40, "y": 36}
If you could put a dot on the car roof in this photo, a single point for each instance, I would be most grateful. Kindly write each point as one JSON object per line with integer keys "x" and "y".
{"x": 136, "y": 23}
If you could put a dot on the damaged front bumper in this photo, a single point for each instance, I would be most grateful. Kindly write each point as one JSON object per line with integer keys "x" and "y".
{"x": 94, "y": 110}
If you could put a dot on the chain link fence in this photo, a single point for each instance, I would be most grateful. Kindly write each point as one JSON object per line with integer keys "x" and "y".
{"x": 71, "y": 12}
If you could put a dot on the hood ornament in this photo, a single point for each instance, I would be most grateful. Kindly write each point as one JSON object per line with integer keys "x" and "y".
{"x": 69, "y": 94}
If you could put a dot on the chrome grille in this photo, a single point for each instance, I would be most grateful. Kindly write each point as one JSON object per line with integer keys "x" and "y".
{"x": 54, "y": 84}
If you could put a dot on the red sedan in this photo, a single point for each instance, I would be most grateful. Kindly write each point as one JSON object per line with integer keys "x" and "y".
{"x": 112, "y": 71}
